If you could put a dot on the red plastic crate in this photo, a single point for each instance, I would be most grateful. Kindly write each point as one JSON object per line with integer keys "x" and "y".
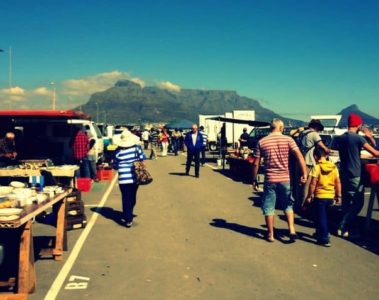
{"x": 373, "y": 171}
{"x": 83, "y": 184}
{"x": 104, "y": 174}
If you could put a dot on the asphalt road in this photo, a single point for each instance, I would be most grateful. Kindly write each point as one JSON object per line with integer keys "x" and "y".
{"x": 200, "y": 239}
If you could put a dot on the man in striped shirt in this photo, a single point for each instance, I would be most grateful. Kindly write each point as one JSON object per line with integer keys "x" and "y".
{"x": 205, "y": 142}
{"x": 275, "y": 150}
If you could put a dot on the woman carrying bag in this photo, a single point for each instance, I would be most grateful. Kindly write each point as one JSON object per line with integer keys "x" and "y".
{"x": 129, "y": 151}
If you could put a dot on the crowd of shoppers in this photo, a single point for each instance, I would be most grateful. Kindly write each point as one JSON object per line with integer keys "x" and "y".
{"x": 324, "y": 183}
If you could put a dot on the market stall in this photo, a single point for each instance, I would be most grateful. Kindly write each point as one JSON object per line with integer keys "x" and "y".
{"x": 370, "y": 178}
{"x": 40, "y": 168}
{"x": 17, "y": 211}
{"x": 241, "y": 164}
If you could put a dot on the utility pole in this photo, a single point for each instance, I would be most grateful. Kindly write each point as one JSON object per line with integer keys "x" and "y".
{"x": 10, "y": 67}
{"x": 54, "y": 94}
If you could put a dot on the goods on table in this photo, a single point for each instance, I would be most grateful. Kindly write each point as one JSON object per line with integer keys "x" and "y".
{"x": 4, "y": 190}
{"x": 10, "y": 214}
{"x": 6, "y": 204}
{"x": 17, "y": 184}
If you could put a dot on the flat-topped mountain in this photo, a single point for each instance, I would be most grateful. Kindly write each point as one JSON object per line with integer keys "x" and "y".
{"x": 128, "y": 102}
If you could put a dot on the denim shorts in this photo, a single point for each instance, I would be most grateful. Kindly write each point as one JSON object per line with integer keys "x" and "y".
{"x": 272, "y": 191}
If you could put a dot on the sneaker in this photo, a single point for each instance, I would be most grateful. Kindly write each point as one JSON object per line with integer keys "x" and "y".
{"x": 325, "y": 244}
{"x": 343, "y": 233}
{"x": 129, "y": 224}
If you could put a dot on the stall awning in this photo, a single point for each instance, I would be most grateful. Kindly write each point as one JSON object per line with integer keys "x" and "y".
{"x": 239, "y": 121}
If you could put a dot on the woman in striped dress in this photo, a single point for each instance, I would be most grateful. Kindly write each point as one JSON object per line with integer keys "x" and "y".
{"x": 129, "y": 150}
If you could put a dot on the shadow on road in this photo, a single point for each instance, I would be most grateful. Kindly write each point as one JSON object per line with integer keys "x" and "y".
{"x": 109, "y": 213}
{"x": 227, "y": 173}
{"x": 177, "y": 173}
{"x": 280, "y": 234}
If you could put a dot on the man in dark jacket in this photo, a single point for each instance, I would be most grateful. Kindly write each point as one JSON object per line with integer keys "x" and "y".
{"x": 194, "y": 143}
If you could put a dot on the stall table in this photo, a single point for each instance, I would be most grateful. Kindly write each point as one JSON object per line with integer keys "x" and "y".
{"x": 21, "y": 229}
{"x": 241, "y": 168}
{"x": 374, "y": 188}
{"x": 56, "y": 171}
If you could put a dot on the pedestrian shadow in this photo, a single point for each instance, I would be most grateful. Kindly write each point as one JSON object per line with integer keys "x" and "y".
{"x": 109, "y": 213}
{"x": 237, "y": 178}
{"x": 280, "y": 234}
{"x": 256, "y": 199}
{"x": 177, "y": 174}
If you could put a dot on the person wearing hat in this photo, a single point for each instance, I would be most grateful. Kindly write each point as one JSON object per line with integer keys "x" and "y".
{"x": 309, "y": 139}
{"x": 129, "y": 151}
{"x": 349, "y": 146}
{"x": 244, "y": 138}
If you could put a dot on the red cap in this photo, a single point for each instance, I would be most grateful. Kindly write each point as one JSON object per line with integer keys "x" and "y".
{"x": 354, "y": 120}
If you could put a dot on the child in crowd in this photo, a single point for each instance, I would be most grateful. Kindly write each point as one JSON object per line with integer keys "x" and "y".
{"x": 324, "y": 191}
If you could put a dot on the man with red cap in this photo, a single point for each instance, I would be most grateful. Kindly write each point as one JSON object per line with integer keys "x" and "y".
{"x": 349, "y": 146}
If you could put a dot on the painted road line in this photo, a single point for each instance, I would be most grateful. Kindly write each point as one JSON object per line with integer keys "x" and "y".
{"x": 60, "y": 279}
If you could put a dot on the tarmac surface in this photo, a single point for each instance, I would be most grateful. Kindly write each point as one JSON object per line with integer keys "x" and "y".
{"x": 200, "y": 238}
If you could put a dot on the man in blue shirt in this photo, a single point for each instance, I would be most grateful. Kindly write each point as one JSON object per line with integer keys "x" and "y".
{"x": 194, "y": 143}
{"x": 349, "y": 146}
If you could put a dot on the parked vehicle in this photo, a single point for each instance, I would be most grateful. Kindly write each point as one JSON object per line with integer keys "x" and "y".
{"x": 233, "y": 131}
{"x": 42, "y": 134}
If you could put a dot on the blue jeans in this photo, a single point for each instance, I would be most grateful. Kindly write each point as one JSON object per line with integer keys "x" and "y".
{"x": 129, "y": 198}
{"x": 321, "y": 220}
{"x": 84, "y": 168}
{"x": 280, "y": 190}
{"x": 352, "y": 200}
{"x": 175, "y": 146}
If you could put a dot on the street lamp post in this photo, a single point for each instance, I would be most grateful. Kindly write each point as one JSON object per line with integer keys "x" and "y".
{"x": 54, "y": 94}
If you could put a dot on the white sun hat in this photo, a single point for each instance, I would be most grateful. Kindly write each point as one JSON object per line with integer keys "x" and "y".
{"x": 127, "y": 139}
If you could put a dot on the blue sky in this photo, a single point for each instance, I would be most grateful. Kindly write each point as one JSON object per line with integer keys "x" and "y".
{"x": 296, "y": 57}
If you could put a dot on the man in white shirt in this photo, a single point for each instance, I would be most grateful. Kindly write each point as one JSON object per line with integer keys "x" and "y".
{"x": 145, "y": 139}
{"x": 194, "y": 143}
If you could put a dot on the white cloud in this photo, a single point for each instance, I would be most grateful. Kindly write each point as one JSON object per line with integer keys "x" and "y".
{"x": 69, "y": 93}
{"x": 13, "y": 94}
{"x": 88, "y": 85}
{"x": 42, "y": 91}
{"x": 167, "y": 85}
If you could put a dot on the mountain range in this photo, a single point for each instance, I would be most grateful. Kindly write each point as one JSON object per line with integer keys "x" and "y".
{"x": 128, "y": 102}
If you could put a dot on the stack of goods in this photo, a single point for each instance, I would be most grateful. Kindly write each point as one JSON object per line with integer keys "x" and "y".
{"x": 104, "y": 172}
{"x": 75, "y": 215}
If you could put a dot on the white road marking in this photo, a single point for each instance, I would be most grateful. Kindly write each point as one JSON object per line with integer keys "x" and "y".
{"x": 59, "y": 280}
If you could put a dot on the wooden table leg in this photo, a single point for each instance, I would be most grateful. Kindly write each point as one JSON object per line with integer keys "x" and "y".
{"x": 370, "y": 206}
{"x": 26, "y": 272}
{"x": 61, "y": 234}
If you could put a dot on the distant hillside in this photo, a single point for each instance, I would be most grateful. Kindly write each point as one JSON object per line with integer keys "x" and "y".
{"x": 127, "y": 102}
{"x": 367, "y": 119}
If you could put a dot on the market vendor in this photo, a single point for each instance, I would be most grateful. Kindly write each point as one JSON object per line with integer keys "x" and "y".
{"x": 244, "y": 139}
{"x": 7, "y": 149}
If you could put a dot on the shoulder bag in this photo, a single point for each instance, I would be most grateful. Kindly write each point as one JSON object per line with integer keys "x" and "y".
{"x": 143, "y": 176}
